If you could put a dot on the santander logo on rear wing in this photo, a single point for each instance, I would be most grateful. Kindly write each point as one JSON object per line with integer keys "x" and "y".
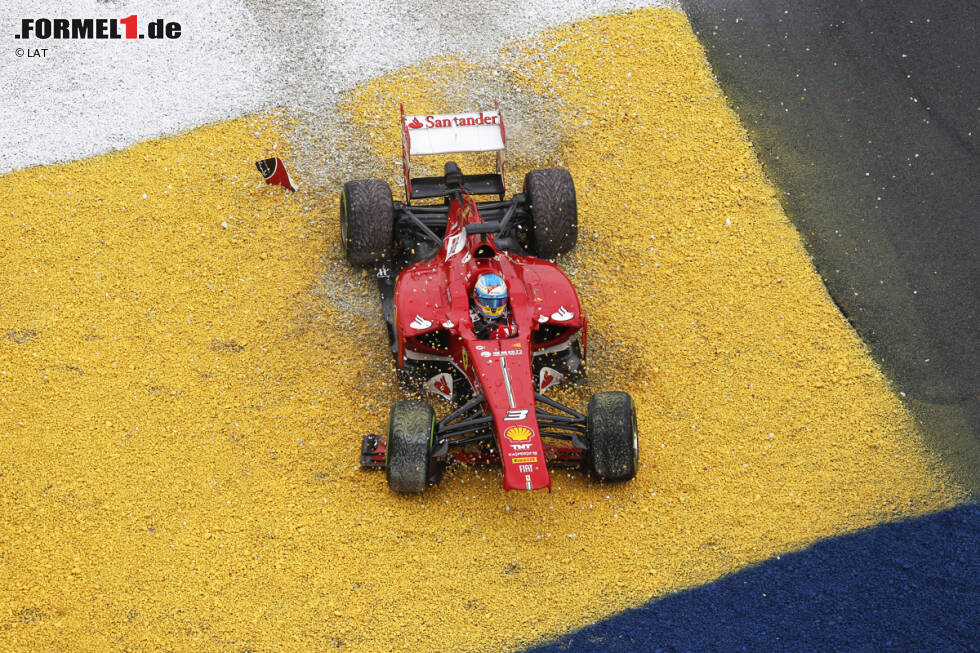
{"x": 422, "y": 135}
{"x": 455, "y": 132}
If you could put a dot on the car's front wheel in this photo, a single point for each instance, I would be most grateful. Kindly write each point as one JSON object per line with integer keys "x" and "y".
{"x": 411, "y": 434}
{"x": 613, "y": 453}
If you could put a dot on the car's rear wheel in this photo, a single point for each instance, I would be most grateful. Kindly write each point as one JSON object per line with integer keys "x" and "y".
{"x": 554, "y": 212}
{"x": 613, "y": 453}
{"x": 367, "y": 221}
{"x": 411, "y": 433}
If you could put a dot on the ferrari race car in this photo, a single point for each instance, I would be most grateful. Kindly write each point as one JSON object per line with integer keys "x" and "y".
{"x": 428, "y": 257}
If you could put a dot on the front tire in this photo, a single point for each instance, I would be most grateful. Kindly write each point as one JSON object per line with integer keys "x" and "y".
{"x": 411, "y": 433}
{"x": 554, "y": 211}
{"x": 613, "y": 453}
{"x": 367, "y": 221}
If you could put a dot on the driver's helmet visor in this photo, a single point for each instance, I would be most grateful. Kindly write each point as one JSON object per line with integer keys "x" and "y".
{"x": 492, "y": 306}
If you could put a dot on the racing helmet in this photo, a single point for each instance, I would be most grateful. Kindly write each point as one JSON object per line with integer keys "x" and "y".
{"x": 490, "y": 295}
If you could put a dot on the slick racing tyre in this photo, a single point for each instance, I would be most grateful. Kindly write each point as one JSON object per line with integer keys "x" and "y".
{"x": 411, "y": 432}
{"x": 367, "y": 221}
{"x": 554, "y": 213}
{"x": 613, "y": 453}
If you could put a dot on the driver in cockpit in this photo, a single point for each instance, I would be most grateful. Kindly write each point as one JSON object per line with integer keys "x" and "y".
{"x": 490, "y": 312}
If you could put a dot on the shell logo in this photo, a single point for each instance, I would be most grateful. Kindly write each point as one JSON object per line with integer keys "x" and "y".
{"x": 518, "y": 433}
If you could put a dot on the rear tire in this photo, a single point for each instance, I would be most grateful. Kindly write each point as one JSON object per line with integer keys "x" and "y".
{"x": 554, "y": 212}
{"x": 367, "y": 221}
{"x": 411, "y": 432}
{"x": 613, "y": 453}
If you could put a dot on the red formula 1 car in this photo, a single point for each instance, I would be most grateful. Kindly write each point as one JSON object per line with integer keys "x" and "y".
{"x": 428, "y": 259}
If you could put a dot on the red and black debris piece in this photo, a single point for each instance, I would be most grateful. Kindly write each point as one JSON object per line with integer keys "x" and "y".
{"x": 274, "y": 172}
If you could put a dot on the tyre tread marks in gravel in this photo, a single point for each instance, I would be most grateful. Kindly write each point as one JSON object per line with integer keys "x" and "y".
{"x": 554, "y": 212}
{"x": 611, "y": 427}
{"x": 410, "y": 430}
{"x": 367, "y": 221}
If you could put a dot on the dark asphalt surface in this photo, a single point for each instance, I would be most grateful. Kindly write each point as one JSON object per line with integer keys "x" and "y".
{"x": 867, "y": 117}
{"x": 906, "y": 586}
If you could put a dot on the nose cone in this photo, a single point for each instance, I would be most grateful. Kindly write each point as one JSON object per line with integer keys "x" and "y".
{"x": 504, "y": 371}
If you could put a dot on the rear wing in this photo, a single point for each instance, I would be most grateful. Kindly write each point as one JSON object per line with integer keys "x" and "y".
{"x": 453, "y": 132}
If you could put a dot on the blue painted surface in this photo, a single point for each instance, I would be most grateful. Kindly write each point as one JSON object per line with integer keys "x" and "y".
{"x": 907, "y": 586}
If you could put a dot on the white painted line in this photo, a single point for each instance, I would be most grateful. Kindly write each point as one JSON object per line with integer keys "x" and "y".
{"x": 233, "y": 57}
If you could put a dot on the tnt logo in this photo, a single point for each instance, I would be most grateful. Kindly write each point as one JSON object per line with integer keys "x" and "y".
{"x": 518, "y": 433}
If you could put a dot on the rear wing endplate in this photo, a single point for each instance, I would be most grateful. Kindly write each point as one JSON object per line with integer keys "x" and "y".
{"x": 453, "y": 132}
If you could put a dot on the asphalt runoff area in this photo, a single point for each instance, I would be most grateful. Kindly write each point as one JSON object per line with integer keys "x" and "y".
{"x": 867, "y": 118}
